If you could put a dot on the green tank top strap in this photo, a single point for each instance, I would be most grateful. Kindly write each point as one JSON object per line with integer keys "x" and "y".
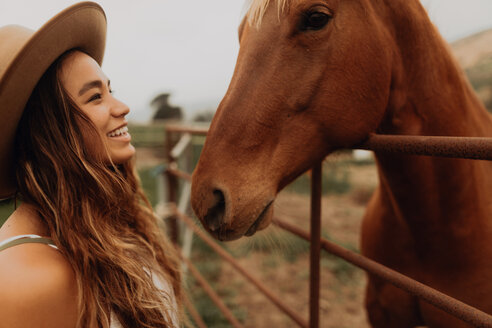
{"x": 26, "y": 239}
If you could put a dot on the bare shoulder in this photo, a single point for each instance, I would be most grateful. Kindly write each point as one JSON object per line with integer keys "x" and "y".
{"x": 37, "y": 288}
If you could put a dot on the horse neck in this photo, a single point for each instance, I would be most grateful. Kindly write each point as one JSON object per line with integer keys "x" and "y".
{"x": 430, "y": 93}
{"x": 431, "y": 96}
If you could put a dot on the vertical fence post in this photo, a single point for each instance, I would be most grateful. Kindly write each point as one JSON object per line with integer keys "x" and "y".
{"x": 172, "y": 189}
{"x": 315, "y": 246}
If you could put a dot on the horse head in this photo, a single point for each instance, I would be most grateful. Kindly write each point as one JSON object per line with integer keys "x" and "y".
{"x": 312, "y": 76}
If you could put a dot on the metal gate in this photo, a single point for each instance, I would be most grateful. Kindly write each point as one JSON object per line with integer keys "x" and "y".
{"x": 454, "y": 147}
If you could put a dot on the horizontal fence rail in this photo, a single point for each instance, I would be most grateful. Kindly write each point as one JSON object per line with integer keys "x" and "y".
{"x": 186, "y": 129}
{"x": 455, "y": 147}
{"x": 442, "y": 146}
{"x": 179, "y": 174}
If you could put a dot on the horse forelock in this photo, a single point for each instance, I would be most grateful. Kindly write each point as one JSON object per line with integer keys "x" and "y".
{"x": 257, "y": 10}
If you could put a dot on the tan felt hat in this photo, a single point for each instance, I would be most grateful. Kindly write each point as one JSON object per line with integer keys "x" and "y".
{"x": 25, "y": 55}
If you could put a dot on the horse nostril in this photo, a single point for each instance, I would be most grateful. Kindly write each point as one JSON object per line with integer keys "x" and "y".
{"x": 215, "y": 214}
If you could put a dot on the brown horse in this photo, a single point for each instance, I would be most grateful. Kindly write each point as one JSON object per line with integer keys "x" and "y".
{"x": 313, "y": 76}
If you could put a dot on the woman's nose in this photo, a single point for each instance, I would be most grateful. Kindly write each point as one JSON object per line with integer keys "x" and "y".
{"x": 119, "y": 109}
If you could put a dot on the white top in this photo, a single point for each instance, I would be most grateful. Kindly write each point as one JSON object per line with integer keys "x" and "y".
{"x": 165, "y": 289}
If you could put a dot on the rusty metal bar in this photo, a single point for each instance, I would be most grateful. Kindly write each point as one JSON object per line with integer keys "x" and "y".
{"x": 179, "y": 173}
{"x": 452, "y": 306}
{"x": 315, "y": 246}
{"x": 212, "y": 294}
{"x": 455, "y": 147}
{"x": 172, "y": 183}
{"x": 444, "y": 146}
{"x": 185, "y": 129}
{"x": 193, "y": 312}
{"x": 226, "y": 256}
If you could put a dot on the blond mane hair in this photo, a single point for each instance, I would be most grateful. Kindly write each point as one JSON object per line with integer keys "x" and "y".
{"x": 257, "y": 10}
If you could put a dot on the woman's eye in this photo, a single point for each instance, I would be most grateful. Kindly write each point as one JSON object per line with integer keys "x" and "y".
{"x": 95, "y": 97}
{"x": 314, "y": 21}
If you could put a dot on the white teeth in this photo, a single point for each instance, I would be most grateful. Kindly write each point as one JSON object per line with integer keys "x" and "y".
{"x": 118, "y": 132}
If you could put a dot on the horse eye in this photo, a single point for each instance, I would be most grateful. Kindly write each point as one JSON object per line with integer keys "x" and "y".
{"x": 314, "y": 21}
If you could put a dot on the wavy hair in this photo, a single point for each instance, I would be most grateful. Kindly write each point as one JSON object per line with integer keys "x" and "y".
{"x": 97, "y": 214}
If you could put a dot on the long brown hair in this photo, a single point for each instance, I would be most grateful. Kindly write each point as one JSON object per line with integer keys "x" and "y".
{"x": 97, "y": 214}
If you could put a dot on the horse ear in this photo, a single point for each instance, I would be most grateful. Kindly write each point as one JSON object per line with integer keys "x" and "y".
{"x": 241, "y": 27}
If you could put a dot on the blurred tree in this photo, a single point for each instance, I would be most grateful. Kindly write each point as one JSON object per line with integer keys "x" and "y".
{"x": 204, "y": 116}
{"x": 163, "y": 110}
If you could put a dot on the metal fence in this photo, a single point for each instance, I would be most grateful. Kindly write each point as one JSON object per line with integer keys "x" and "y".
{"x": 455, "y": 147}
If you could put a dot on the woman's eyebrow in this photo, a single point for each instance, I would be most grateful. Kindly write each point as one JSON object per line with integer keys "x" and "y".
{"x": 90, "y": 85}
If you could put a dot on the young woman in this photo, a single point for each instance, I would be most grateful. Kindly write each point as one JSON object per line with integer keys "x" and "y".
{"x": 83, "y": 249}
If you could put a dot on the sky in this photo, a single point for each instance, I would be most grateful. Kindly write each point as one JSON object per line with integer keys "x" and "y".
{"x": 189, "y": 47}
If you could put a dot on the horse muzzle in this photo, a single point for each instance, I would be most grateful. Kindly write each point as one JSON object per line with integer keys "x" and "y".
{"x": 227, "y": 215}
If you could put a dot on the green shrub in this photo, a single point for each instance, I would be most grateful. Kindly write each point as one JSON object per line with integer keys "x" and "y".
{"x": 147, "y": 135}
{"x": 6, "y": 209}
{"x": 148, "y": 178}
{"x": 209, "y": 263}
{"x": 335, "y": 180}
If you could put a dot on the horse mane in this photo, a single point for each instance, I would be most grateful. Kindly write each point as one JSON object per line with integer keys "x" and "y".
{"x": 257, "y": 10}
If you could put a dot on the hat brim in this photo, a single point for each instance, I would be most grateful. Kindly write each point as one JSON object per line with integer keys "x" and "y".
{"x": 82, "y": 26}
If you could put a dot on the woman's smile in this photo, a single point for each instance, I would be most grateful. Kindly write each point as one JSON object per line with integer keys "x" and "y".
{"x": 120, "y": 134}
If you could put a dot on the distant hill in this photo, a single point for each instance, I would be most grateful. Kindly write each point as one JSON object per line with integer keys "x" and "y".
{"x": 474, "y": 53}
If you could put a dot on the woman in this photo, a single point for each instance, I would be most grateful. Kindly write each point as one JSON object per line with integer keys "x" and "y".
{"x": 67, "y": 137}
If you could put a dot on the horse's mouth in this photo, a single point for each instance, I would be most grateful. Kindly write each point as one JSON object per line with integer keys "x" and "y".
{"x": 224, "y": 234}
{"x": 251, "y": 231}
